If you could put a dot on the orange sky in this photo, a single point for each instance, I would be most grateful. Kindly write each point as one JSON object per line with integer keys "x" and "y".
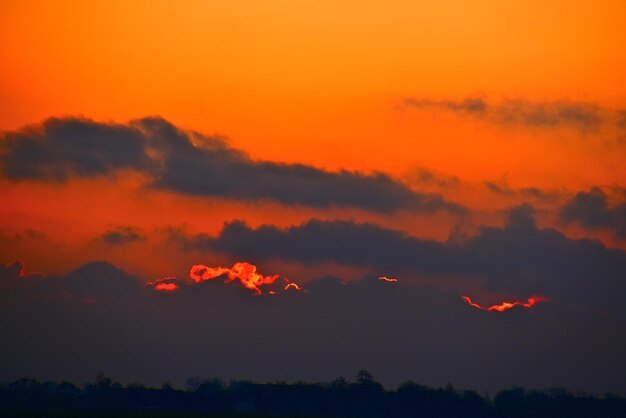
{"x": 315, "y": 82}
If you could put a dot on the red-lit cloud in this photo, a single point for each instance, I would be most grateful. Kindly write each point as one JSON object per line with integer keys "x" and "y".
{"x": 292, "y": 286}
{"x": 501, "y": 307}
{"x": 165, "y": 284}
{"x": 245, "y": 272}
{"x": 166, "y": 287}
{"x": 388, "y": 279}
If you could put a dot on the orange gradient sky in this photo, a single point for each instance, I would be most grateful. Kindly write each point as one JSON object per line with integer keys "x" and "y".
{"x": 282, "y": 78}
{"x": 314, "y": 82}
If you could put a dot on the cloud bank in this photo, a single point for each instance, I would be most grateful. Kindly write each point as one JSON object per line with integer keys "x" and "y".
{"x": 580, "y": 115}
{"x": 101, "y": 319}
{"x": 519, "y": 258}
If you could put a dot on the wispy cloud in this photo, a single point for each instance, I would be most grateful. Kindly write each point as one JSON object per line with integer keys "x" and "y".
{"x": 540, "y": 114}
{"x": 122, "y": 235}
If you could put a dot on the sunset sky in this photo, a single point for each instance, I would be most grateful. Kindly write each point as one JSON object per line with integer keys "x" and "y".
{"x": 463, "y": 148}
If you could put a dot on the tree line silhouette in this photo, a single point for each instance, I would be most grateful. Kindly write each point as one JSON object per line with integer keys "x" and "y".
{"x": 363, "y": 397}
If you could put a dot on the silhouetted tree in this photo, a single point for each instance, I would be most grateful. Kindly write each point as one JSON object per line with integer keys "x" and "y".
{"x": 364, "y": 377}
{"x": 365, "y": 398}
{"x": 103, "y": 382}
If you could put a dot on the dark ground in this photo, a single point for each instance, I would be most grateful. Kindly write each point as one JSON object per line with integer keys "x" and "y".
{"x": 364, "y": 397}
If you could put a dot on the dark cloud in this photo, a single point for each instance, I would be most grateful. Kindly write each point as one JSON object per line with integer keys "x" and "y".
{"x": 59, "y": 148}
{"x": 97, "y": 281}
{"x": 316, "y": 241}
{"x": 592, "y": 210}
{"x": 582, "y": 115}
{"x": 499, "y": 188}
{"x": 24, "y": 235}
{"x": 539, "y": 194}
{"x": 214, "y": 169}
{"x": 429, "y": 177}
{"x": 100, "y": 319}
{"x": 195, "y": 164}
{"x": 470, "y": 105}
{"x": 122, "y": 235}
{"x": 621, "y": 122}
{"x": 503, "y": 189}
{"x": 519, "y": 258}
